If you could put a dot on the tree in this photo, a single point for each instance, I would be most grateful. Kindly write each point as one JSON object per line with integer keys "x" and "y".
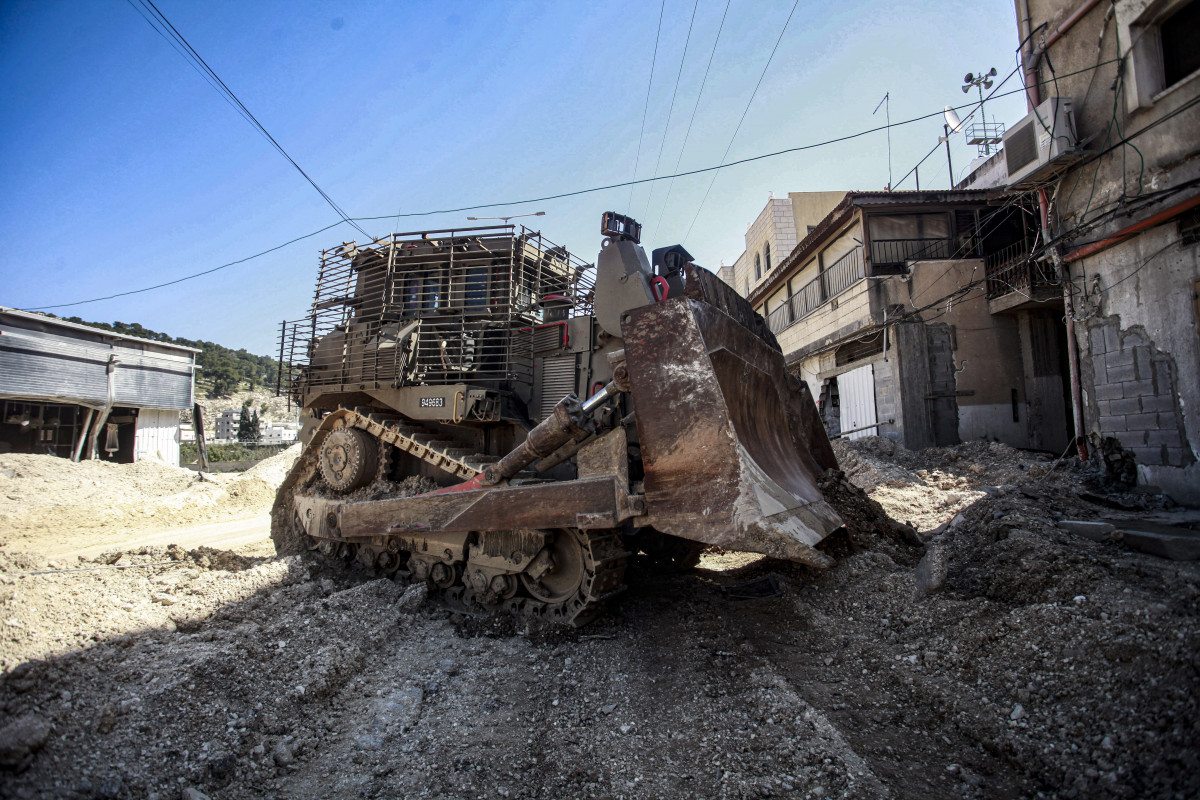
{"x": 248, "y": 425}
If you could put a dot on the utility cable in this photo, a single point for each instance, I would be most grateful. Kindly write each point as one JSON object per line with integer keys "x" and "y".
{"x": 215, "y": 80}
{"x": 645, "y": 111}
{"x": 671, "y": 109}
{"x": 745, "y": 111}
{"x": 695, "y": 108}
{"x": 575, "y": 193}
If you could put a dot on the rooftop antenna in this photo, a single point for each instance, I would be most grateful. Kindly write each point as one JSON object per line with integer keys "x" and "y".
{"x": 953, "y": 125}
{"x": 887, "y": 110}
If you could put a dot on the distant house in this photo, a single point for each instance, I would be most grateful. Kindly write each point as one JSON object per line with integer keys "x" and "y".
{"x": 227, "y": 424}
{"x": 278, "y": 433}
{"x": 80, "y": 392}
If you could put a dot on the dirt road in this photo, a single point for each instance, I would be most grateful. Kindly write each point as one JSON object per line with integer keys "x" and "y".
{"x": 1045, "y": 665}
{"x": 250, "y": 537}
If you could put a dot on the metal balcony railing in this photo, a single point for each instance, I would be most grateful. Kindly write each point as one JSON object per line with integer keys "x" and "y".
{"x": 898, "y": 252}
{"x": 837, "y": 278}
{"x": 1013, "y": 269}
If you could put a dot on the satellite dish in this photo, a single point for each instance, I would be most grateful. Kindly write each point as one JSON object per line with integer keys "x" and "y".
{"x": 952, "y": 120}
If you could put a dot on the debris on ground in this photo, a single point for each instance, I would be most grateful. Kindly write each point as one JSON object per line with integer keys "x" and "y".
{"x": 994, "y": 648}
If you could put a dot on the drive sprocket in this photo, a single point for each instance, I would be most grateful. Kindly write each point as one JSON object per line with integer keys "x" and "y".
{"x": 349, "y": 459}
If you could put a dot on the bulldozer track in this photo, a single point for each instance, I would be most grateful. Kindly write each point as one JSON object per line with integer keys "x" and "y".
{"x": 603, "y": 556}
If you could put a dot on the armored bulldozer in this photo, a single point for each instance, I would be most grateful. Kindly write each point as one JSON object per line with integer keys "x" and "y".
{"x": 492, "y": 415}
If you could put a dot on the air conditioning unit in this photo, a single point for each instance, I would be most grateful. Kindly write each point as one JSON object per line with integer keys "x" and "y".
{"x": 1041, "y": 146}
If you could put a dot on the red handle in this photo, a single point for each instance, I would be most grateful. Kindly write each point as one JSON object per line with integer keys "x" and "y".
{"x": 658, "y": 285}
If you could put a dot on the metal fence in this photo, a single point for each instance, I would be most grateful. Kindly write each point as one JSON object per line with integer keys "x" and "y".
{"x": 892, "y": 252}
{"x": 1013, "y": 269}
{"x": 835, "y": 279}
{"x": 433, "y": 307}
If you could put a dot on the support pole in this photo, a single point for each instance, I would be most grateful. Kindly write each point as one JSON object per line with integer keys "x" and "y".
{"x": 83, "y": 435}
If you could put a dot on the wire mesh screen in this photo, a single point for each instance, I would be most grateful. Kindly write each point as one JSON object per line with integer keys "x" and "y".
{"x": 431, "y": 307}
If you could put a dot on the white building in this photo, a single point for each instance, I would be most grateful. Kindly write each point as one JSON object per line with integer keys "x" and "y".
{"x": 278, "y": 432}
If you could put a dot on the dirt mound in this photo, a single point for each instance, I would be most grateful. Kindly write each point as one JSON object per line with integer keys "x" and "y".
{"x": 48, "y": 499}
{"x": 867, "y": 525}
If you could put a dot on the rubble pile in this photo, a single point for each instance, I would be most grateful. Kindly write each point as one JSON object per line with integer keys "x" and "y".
{"x": 995, "y": 651}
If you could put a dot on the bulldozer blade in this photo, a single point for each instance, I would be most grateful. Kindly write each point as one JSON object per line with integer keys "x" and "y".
{"x": 731, "y": 442}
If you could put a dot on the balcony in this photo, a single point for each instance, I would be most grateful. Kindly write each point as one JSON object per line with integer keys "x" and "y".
{"x": 893, "y": 255}
{"x": 837, "y": 278}
{"x": 1015, "y": 277}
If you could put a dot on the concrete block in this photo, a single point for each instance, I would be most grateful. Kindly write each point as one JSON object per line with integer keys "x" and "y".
{"x": 1127, "y": 405}
{"x": 1165, "y": 435}
{"x": 1180, "y": 456}
{"x": 1141, "y": 422}
{"x": 1133, "y": 339}
{"x": 1180, "y": 547}
{"x": 1096, "y": 531}
{"x": 1099, "y": 371}
{"x": 1150, "y": 402}
{"x": 1131, "y": 438}
{"x": 1112, "y": 338}
{"x": 1110, "y": 391}
{"x": 1142, "y": 388}
{"x": 1096, "y": 341}
{"x": 1120, "y": 358}
{"x": 1112, "y": 424}
{"x": 1124, "y": 372}
{"x": 1164, "y": 377}
{"x": 1141, "y": 360}
{"x": 1150, "y": 456}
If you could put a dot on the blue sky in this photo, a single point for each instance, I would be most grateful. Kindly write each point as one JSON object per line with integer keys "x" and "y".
{"x": 122, "y": 168}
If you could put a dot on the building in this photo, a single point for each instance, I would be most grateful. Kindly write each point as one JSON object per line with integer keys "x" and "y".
{"x": 881, "y": 308}
{"x": 773, "y": 235}
{"x": 80, "y": 392}
{"x": 226, "y": 427}
{"x": 1119, "y": 193}
{"x": 277, "y": 433}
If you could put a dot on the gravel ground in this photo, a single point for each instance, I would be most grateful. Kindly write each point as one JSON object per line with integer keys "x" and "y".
{"x": 1006, "y": 658}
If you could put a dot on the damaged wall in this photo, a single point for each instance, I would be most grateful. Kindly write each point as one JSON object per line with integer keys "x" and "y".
{"x": 1136, "y": 315}
{"x": 1141, "y": 355}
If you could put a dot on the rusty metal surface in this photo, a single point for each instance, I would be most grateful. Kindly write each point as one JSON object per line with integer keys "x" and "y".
{"x": 723, "y": 434}
{"x": 546, "y": 505}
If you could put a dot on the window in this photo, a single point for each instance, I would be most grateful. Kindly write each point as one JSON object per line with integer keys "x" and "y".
{"x": 1160, "y": 40}
{"x": 1179, "y": 33}
{"x": 767, "y": 256}
{"x": 757, "y": 267}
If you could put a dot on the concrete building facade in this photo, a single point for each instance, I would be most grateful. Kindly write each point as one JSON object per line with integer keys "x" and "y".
{"x": 881, "y": 308}
{"x": 1123, "y": 220}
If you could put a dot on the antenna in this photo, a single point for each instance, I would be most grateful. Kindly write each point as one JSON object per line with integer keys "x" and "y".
{"x": 952, "y": 120}
{"x": 887, "y": 110}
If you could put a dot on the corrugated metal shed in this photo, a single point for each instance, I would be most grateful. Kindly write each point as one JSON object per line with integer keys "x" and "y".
{"x": 42, "y": 358}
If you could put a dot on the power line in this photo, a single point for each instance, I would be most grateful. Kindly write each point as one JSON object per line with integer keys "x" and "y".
{"x": 695, "y": 108}
{"x": 169, "y": 31}
{"x": 645, "y": 111}
{"x": 576, "y": 193}
{"x": 671, "y": 108}
{"x": 192, "y": 276}
{"x": 743, "y": 119}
